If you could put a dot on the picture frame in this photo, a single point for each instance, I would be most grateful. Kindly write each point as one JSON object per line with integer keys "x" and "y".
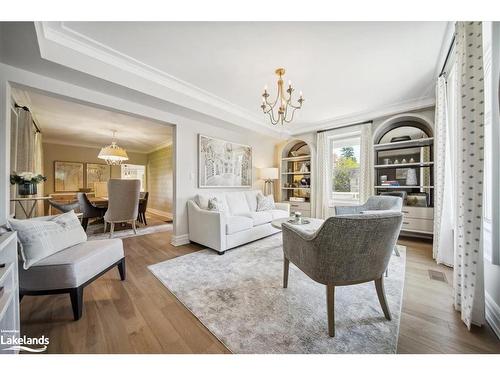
{"x": 401, "y": 173}
{"x": 223, "y": 164}
{"x": 417, "y": 200}
{"x": 95, "y": 173}
{"x": 68, "y": 176}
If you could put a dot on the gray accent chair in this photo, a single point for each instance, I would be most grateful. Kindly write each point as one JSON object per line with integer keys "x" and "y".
{"x": 71, "y": 270}
{"x": 345, "y": 250}
{"x": 123, "y": 203}
{"x": 374, "y": 203}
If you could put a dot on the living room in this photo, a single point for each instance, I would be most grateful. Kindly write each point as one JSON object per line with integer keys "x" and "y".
{"x": 336, "y": 195}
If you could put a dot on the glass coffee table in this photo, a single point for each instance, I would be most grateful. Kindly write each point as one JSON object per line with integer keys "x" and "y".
{"x": 308, "y": 224}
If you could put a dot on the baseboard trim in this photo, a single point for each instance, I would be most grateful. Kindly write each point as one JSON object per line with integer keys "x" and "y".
{"x": 163, "y": 214}
{"x": 180, "y": 240}
{"x": 492, "y": 314}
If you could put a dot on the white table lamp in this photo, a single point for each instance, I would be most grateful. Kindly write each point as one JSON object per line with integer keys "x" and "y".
{"x": 268, "y": 175}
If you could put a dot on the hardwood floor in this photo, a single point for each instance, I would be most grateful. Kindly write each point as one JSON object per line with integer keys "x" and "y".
{"x": 140, "y": 315}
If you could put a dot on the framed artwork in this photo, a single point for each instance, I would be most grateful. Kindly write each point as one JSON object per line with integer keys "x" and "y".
{"x": 401, "y": 173}
{"x": 223, "y": 164}
{"x": 97, "y": 173}
{"x": 417, "y": 199}
{"x": 68, "y": 176}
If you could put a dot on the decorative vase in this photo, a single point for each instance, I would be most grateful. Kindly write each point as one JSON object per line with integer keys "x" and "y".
{"x": 411, "y": 177}
{"x": 27, "y": 188}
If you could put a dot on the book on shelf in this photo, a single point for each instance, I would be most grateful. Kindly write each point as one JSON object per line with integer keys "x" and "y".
{"x": 390, "y": 183}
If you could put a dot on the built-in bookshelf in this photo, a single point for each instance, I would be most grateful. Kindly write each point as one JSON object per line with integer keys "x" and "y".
{"x": 404, "y": 166}
{"x": 296, "y": 176}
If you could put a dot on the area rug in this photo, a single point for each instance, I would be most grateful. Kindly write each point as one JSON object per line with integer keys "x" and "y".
{"x": 240, "y": 299}
{"x": 130, "y": 232}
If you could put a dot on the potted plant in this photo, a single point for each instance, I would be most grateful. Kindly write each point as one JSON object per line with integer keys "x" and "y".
{"x": 26, "y": 182}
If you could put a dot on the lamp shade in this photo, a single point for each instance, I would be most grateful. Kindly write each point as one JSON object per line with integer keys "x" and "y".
{"x": 268, "y": 173}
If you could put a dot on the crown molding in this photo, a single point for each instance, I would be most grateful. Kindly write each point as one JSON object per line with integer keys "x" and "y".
{"x": 404, "y": 106}
{"x": 62, "y": 45}
{"x": 62, "y": 142}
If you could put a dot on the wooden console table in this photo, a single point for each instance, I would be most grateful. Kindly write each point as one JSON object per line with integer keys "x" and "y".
{"x": 29, "y": 213}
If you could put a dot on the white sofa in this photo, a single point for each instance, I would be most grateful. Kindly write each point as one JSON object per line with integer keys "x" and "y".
{"x": 237, "y": 224}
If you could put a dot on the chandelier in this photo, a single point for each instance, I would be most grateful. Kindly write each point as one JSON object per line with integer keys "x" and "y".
{"x": 113, "y": 154}
{"x": 286, "y": 109}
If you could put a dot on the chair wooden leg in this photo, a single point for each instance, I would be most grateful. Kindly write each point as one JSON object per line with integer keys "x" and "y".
{"x": 330, "y": 308}
{"x": 144, "y": 218}
{"x": 111, "y": 230}
{"x": 76, "y": 296}
{"x": 133, "y": 227}
{"x": 286, "y": 267}
{"x": 105, "y": 226}
{"x": 379, "y": 285}
{"x": 85, "y": 222}
{"x": 122, "y": 269}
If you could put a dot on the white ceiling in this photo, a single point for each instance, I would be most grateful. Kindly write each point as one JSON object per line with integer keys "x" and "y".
{"x": 343, "y": 68}
{"x": 69, "y": 122}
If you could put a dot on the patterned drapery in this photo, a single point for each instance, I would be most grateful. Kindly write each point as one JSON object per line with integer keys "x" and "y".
{"x": 322, "y": 196}
{"x": 366, "y": 163}
{"x": 468, "y": 276}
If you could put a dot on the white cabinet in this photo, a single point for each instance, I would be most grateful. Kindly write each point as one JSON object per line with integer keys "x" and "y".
{"x": 9, "y": 288}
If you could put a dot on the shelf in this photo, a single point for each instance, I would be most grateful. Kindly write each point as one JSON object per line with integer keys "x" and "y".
{"x": 296, "y": 188}
{"x": 404, "y": 144}
{"x": 295, "y": 173}
{"x": 404, "y": 187}
{"x": 297, "y": 158}
{"x": 404, "y": 165}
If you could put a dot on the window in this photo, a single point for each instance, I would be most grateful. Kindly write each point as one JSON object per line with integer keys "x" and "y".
{"x": 345, "y": 158}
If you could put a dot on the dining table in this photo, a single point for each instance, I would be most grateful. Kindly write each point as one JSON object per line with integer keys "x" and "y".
{"x": 103, "y": 201}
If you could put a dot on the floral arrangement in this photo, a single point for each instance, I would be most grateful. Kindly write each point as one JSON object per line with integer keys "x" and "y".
{"x": 26, "y": 178}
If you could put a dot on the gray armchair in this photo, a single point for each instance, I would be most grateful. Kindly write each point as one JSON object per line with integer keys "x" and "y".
{"x": 346, "y": 250}
{"x": 375, "y": 203}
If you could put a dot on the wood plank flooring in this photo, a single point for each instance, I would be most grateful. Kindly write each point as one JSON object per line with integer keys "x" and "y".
{"x": 140, "y": 315}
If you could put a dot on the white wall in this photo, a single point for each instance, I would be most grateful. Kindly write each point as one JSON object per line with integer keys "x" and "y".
{"x": 491, "y": 235}
{"x": 185, "y": 138}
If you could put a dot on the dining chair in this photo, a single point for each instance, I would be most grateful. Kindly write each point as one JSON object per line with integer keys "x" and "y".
{"x": 123, "y": 203}
{"x": 143, "y": 205}
{"x": 345, "y": 250}
{"x": 88, "y": 210}
{"x": 64, "y": 207}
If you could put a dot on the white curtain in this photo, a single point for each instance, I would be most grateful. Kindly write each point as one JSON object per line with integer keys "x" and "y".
{"x": 29, "y": 156}
{"x": 322, "y": 196}
{"x": 366, "y": 163}
{"x": 443, "y": 245}
{"x": 469, "y": 274}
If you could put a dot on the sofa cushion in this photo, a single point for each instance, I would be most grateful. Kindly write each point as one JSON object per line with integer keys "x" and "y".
{"x": 261, "y": 217}
{"x": 46, "y": 236}
{"x": 73, "y": 266}
{"x": 265, "y": 203}
{"x": 251, "y": 196}
{"x": 202, "y": 200}
{"x": 278, "y": 214}
{"x": 237, "y": 203}
{"x": 236, "y": 224}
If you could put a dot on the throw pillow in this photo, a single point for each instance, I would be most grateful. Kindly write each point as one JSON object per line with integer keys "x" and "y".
{"x": 41, "y": 238}
{"x": 215, "y": 205}
{"x": 265, "y": 203}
